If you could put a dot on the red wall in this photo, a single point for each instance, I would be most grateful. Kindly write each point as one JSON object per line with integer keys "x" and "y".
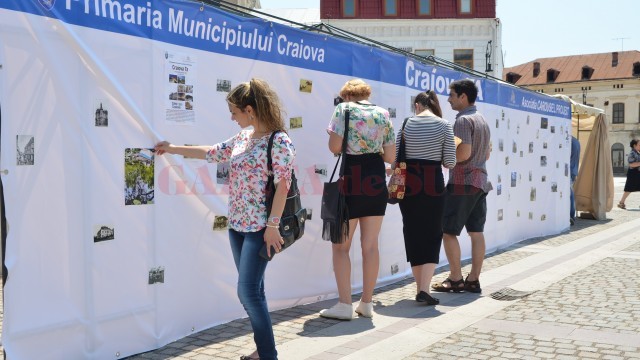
{"x": 407, "y": 9}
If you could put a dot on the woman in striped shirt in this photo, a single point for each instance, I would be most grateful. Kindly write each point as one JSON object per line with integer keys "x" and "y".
{"x": 429, "y": 144}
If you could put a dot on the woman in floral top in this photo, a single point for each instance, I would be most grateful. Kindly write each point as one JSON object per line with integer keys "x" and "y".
{"x": 370, "y": 143}
{"x": 633, "y": 173}
{"x": 253, "y": 104}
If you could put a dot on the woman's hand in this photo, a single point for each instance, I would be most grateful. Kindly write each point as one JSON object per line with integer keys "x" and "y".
{"x": 163, "y": 147}
{"x": 272, "y": 238}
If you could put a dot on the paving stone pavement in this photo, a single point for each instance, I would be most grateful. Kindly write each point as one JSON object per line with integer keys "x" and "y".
{"x": 583, "y": 304}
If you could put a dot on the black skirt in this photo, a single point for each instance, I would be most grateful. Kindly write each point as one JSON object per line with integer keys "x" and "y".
{"x": 365, "y": 185}
{"x": 633, "y": 180}
{"x": 422, "y": 210}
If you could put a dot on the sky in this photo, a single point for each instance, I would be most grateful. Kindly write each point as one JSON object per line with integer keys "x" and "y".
{"x": 533, "y": 29}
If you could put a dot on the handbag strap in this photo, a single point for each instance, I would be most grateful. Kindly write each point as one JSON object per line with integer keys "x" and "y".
{"x": 269, "y": 147}
{"x": 344, "y": 146}
{"x": 401, "y": 152}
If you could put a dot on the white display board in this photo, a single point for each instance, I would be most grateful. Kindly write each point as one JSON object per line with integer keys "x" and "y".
{"x": 112, "y": 251}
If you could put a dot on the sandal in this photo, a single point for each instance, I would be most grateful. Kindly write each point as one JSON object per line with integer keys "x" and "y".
{"x": 472, "y": 286}
{"x": 622, "y": 206}
{"x": 248, "y": 357}
{"x": 455, "y": 286}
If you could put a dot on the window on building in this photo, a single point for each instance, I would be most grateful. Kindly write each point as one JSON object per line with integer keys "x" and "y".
{"x": 636, "y": 69}
{"x": 587, "y": 72}
{"x": 552, "y": 75}
{"x": 618, "y": 113}
{"x": 465, "y": 6}
{"x": 390, "y": 7}
{"x": 425, "y": 52}
{"x": 513, "y": 78}
{"x": 463, "y": 57}
{"x": 349, "y": 8}
{"x": 424, "y": 7}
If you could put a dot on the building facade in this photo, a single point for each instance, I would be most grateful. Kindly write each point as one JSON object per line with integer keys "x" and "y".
{"x": 609, "y": 81}
{"x": 465, "y": 32}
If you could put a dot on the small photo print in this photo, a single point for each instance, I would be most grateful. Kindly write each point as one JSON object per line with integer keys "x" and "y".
{"x": 521, "y": 153}
{"x": 518, "y": 213}
{"x": 497, "y": 123}
{"x": 514, "y": 178}
{"x": 156, "y": 275}
{"x": 500, "y": 214}
{"x": 222, "y": 173}
{"x": 527, "y": 119}
{"x": 530, "y": 215}
{"x": 518, "y": 129}
{"x": 566, "y": 169}
{"x": 544, "y": 178}
{"x": 538, "y": 134}
{"x": 530, "y": 147}
{"x": 543, "y": 217}
{"x": 543, "y": 161}
{"x": 499, "y": 178}
{"x": 220, "y": 223}
{"x": 499, "y": 189}
{"x": 500, "y": 145}
{"x": 554, "y": 187}
{"x": 320, "y": 169}
{"x": 138, "y": 176}
{"x": 295, "y": 122}
{"x": 103, "y": 233}
{"x": 173, "y": 78}
{"x": 553, "y": 129}
{"x": 530, "y": 175}
{"x": 544, "y": 145}
{"x": 557, "y": 164}
{"x": 101, "y": 114}
{"x": 25, "y": 148}
{"x": 306, "y": 85}
{"x": 392, "y": 113}
{"x": 223, "y": 85}
{"x": 514, "y": 147}
{"x": 544, "y": 123}
{"x": 532, "y": 194}
{"x": 506, "y": 160}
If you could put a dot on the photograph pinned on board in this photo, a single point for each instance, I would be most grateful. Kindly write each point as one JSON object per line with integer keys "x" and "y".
{"x": 506, "y": 160}
{"x": 518, "y": 129}
{"x": 220, "y": 223}
{"x": 295, "y": 122}
{"x": 392, "y": 113}
{"x": 545, "y": 145}
{"x": 553, "y": 129}
{"x": 566, "y": 169}
{"x": 320, "y": 169}
{"x": 557, "y": 164}
{"x": 514, "y": 178}
{"x": 543, "y": 161}
{"x": 156, "y": 275}
{"x": 538, "y": 134}
{"x": 499, "y": 178}
{"x": 530, "y": 175}
{"x": 518, "y": 213}
{"x": 554, "y": 187}
{"x": 544, "y": 123}
{"x": 138, "y": 176}
{"x": 530, "y": 215}
{"x": 531, "y": 147}
{"x": 101, "y": 116}
{"x": 514, "y": 147}
{"x": 306, "y": 85}
{"x": 521, "y": 153}
{"x": 560, "y": 146}
{"x": 543, "y": 178}
{"x": 223, "y": 85}
{"x": 527, "y": 119}
{"x": 25, "y": 147}
{"x": 500, "y": 214}
{"x": 500, "y": 145}
{"x": 103, "y": 233}
{"x": 499, "y": 189}
{"x": 543, "y": 217}
{"x": 532, "y": 194}
{"x": 222, "y": 173}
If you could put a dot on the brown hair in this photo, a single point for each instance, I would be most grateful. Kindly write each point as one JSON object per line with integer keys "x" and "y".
{"x": 429, "y": 99}
{"x": 265, "y": 102}
{"x": 356, "y": 88}
{"x": 467, "y": 87}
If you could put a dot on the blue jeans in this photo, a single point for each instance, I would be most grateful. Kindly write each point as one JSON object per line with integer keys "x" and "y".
{"x": 572, "y": 198}
{"x": 245, "y": 247}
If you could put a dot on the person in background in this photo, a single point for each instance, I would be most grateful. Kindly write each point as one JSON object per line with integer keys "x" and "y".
{"x": 466, "y": 197}
{"x": 573, "y": 164}
{"x": 257, "y": 110}
{"x": 429, "y": 144}
{"x": 370, "y": 143}
{"x": 633, "y": 173}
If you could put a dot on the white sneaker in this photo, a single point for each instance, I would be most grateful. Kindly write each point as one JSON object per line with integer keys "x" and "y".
{"x": 365, "y": 309}
{"x": 340, "y": 311}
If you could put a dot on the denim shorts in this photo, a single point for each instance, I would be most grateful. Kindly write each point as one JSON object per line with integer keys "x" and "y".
{"x": 464, "y": 206}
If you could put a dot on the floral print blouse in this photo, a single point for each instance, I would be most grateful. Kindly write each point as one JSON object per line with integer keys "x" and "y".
{"x": 248, "y": 175}
{"x": 369, "y": 127}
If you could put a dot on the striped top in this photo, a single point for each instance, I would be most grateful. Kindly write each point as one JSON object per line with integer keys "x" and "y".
{"x": 428, "y": 138}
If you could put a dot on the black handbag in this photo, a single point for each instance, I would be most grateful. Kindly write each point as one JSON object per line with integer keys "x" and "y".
{"x": 334, "y": 211}
{"x": 293, "y": 216}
